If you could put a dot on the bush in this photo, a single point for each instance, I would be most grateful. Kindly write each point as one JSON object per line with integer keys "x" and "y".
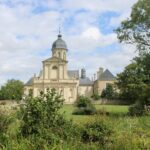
{"x": 136, "y": 109}
{"x": 41, "y": 118}
{"x": 84, "y": 106}
{"x": 102, "y": 112}
{"x": 96, "y": 96}
{"x": 96, "y": 131}
{"x": 84, "y": 111}
{"x": 5, "y": 121}
{"x": 40, "y": 112}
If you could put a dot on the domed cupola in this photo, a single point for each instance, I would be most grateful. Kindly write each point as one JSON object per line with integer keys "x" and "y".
{"x": 59, "y": 48}
{"x": 59, "y": 43}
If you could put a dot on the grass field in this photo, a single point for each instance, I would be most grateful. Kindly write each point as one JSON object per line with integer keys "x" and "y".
{"x": 128, "y": 133}
{"x": 128, "y": 130}
{"x": 118, "y": 110}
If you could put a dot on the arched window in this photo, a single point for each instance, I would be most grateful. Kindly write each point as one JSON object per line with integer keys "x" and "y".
{"x": 64, "y": 56}
{"x": 54, "y": 67}
{"x": 59, "y": 54}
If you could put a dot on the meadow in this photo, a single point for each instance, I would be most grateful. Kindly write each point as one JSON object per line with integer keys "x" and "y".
{"x": 128, "y": 133}
{"x": 119, "y": 110}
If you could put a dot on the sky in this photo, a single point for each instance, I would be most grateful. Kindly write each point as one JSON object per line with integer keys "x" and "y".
{"x": 29, "y": 27}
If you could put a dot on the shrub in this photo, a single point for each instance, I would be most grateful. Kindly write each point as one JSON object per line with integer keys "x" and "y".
{"x": 40, "y": 112}
{"x": 84, "y": 111}
{"x": 41, "y": 118}
{"x": 136, "y": 109}
{"x": 5, "y": 121}
{"x": 96, "y": 96}
{"x": 96, "y": 131}
{"x": 102, "y": 112}
{"x": 84, "y": 106}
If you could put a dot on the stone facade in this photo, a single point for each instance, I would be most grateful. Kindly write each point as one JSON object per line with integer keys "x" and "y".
{"x": 68, "y": 83}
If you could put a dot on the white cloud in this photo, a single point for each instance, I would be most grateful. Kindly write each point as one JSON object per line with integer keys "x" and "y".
{"x": 115, "y": 61}
{"x": 99, "y": 5}
{"x": 24, "y": 34}
{"x": 90, "y": 39}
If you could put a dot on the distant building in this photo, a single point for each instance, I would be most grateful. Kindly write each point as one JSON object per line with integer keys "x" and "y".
{"x": 69, "y": 83}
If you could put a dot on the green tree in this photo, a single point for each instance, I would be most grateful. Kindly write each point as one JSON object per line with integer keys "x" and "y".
{"x": 12, "y": 90}
{"x": 136, "y": 29}
{"x": 84, "y": 106}
{"x": 42, "y": 121}
{"x": 41, "y": 112}
{"x": 134, "y": 81}
{"x": 109, "y": 92}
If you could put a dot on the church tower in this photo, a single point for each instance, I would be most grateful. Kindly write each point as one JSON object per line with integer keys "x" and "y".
{"x": 55, "y": 68}
{"x": 59, "y": 48}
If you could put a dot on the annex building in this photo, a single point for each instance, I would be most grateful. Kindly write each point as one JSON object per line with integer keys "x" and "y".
{"x": 69, "y": 83}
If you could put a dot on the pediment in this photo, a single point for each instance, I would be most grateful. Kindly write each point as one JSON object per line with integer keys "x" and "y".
{"x": 54, "y": 59}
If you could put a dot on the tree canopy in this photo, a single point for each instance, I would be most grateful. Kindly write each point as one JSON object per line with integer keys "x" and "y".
{"x": 12, "y": 90}
{"x": 134, "y": 81}
{"x": 136, "y": 29}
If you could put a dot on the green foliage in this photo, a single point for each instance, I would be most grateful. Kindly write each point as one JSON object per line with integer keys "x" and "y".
{"x": 109, "y": 93}
{"x": 84, "y": 106}
{"x": 5, "y": 121}
{"x": 41, "y": 112}
{"x": 135, "y": 29}
{"x": 42, "y": 121}
{"x": 98, "y": 130}
{"x": 83, "y": 101}
{"x": 102, "y": 132}
{"x": 13, "y": 90}
{"x": 136, "y": 110}
{"x": 134, "y": 81}
{"x": 96, "y": 97}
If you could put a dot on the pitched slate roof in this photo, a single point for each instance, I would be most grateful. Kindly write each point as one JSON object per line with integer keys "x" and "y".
{"x": 29, "y": 82}
{"x": 85, "y": 81}
{"x": 106, "y": 76}
{"x": 73, "y": 73}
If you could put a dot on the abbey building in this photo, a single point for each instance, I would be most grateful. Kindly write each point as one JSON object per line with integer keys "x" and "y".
{"x": 69, "y": 83}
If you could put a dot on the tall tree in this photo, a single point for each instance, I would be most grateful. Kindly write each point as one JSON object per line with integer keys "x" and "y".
{"x": 136, "y": 29}
{"x": 134, "y": 81}
{"x": 12, "y": 90}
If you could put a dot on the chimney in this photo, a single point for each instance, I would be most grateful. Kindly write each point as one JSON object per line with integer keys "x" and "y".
{"x": 83, "y": 73}
{"x": 101, "y": 70}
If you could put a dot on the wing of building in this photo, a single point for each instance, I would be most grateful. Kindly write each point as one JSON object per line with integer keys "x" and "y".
{"x": 69, "y": 83}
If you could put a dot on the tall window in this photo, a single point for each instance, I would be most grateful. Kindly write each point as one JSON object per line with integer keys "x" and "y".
{"x": 64, "y": 56}
{"x": 59, "y": 54}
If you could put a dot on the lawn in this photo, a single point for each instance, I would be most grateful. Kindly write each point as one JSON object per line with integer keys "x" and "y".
{"x": 112, "y": 109}
{"x": 130, "y": 132}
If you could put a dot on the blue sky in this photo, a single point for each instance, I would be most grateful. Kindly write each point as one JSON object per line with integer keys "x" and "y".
{"x": 29, "y": 27}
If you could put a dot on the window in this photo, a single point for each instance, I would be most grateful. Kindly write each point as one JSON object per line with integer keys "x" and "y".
{"x": 59, "y": 54}
{"x": 64, "y": 56}
{"x": 54, "y": 67}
